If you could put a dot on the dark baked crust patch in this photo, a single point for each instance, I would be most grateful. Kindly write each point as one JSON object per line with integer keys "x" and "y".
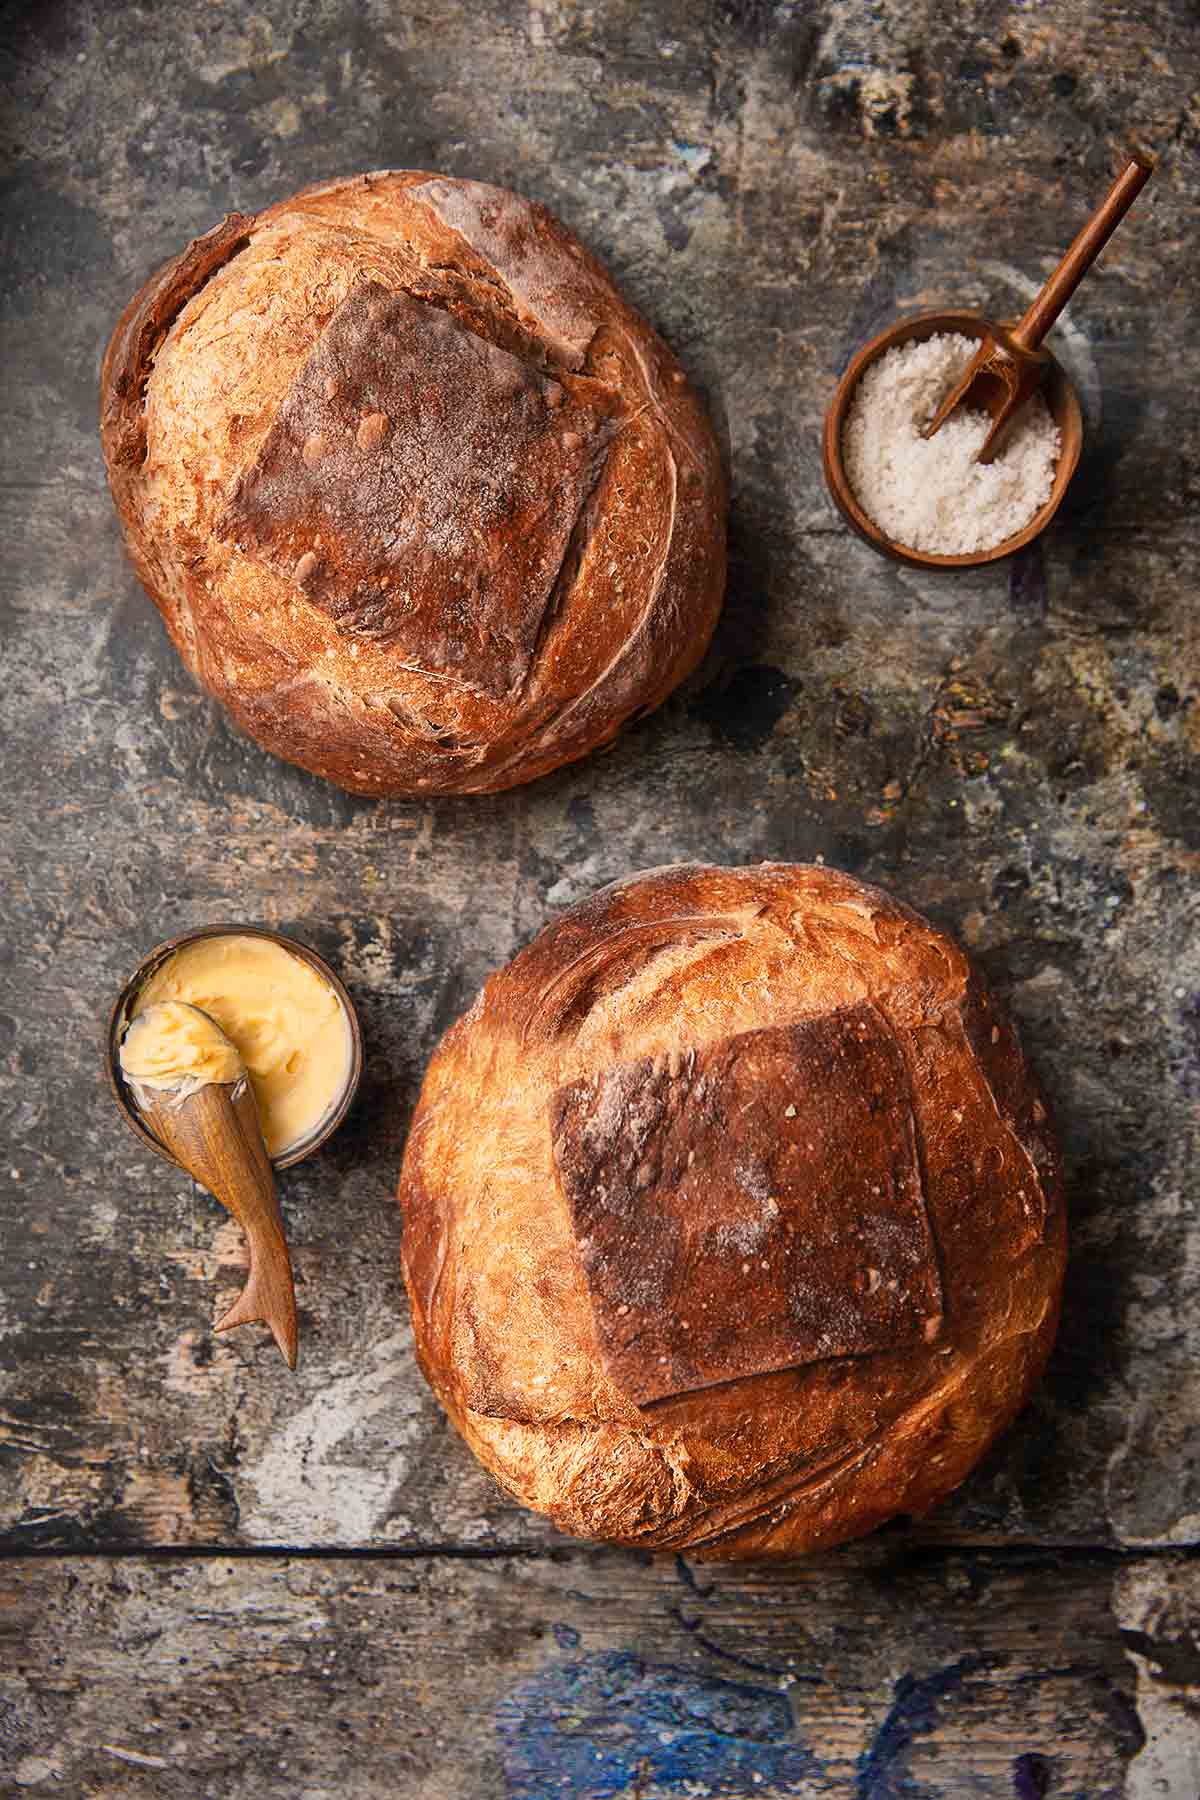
{"x": 756, "y": 1206}
{"x": 423, "y": 486}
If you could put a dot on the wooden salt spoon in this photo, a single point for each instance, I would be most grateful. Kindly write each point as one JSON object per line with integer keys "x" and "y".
{"x": 1009, "y": 365}
{"x": 213, "y": 1133}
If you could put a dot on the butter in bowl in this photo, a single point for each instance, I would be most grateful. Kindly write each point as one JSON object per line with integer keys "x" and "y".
{"x": 234, "y": 1051}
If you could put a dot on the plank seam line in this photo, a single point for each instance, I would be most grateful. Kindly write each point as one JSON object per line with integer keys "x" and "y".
{"x": 1002, "y": 1555}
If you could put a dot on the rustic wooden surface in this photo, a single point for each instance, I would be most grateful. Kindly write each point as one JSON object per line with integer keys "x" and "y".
{"x": 589, "y": 1674}
{"x": 1014, "y": 751}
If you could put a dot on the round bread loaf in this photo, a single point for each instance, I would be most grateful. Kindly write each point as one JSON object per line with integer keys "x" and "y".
{"x": 732, "y": 1215}
{"x": 423, "y": 502}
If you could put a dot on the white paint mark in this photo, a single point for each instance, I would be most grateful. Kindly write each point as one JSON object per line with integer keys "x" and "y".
{"x": 1068, "y": 341}
{"x": 33, "y": 1769}
{"x": 372, "y": 962}
{"x": 331, "y": 1474}
{"x": 135, "y": 1756}
{"x": 1161, "y": 1600}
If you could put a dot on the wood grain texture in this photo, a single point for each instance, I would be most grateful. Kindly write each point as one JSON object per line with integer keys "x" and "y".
{"x": 215, "y": 1136}
{"x": 1015, "y": 752}
{"x": 598, "y": 1677}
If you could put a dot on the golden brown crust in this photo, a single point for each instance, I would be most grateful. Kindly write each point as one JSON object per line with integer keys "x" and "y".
{"x": 450, "y": 568}
{"x": 692, "y": 1074}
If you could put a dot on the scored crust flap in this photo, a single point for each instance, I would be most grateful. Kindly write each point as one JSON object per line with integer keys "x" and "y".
{"x": 422, "y": 485}
{"x": 750, "y": 1206}
{"x": 142, "y": 327}
{"x": 526, "y": 246}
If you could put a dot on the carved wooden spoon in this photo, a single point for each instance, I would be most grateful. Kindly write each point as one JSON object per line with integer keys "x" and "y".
{"x": 1010, "y": 363}
{"x": 212, "y": 1132}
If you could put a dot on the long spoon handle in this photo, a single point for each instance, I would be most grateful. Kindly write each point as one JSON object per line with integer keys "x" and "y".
{"x": 214, "y": 1135}
{"x": 1083, "y": 252}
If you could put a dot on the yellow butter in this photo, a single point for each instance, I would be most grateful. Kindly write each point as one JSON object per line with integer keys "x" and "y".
{"x": 286, "y": 1023}
{"x": 172, "y": 1045}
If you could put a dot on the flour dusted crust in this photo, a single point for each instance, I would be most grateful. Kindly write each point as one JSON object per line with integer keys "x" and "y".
{"x": 732, "y": 1215}
{"x": 423, "y": 502}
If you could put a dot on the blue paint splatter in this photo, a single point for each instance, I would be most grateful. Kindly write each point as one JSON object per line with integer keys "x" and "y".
{"x": 1031, "y": 1776}
{"x": 612, "y": 1724}
{"x": 687, "y": 1575}
{"x": 914, "y": 1713}
{"x": 696, "y": 157}
{"x": 565, "y": 1636}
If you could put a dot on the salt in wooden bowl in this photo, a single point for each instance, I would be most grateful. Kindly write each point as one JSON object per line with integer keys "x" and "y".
{"x": 1057, "y": 391}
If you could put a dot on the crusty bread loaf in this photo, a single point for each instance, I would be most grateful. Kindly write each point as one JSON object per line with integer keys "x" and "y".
{"x": 421, "y": 499}
{"x": 732, "y": 1215}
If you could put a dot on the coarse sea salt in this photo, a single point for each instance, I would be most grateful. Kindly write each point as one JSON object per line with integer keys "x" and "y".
{"x": 929, "y": 493}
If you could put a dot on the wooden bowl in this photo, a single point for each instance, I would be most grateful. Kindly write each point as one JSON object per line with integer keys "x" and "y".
{"x": 122, "y": 1012}
{"x": 1060, "y": 397}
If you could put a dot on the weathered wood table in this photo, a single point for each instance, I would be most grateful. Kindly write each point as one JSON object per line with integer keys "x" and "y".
{"x": 222, "y": 1581}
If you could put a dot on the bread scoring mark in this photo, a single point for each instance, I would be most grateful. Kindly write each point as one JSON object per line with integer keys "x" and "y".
{"x": 426, "y": 470}
{"x": 773, "y": 1500}
{"x": 752, "y": 1205}
{"x": 634, "y": 645}
{"x": 603, "y": 967}
{"x": 650, "y": 608}
{"x": 555, "y": 293}
{"x": 1018, "y": 1108}
{"x": 582, "y": 533}
{"x": 678, "y": 439}
{"x": 418, "y": 724}
{"x": 425, "y": 1239}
